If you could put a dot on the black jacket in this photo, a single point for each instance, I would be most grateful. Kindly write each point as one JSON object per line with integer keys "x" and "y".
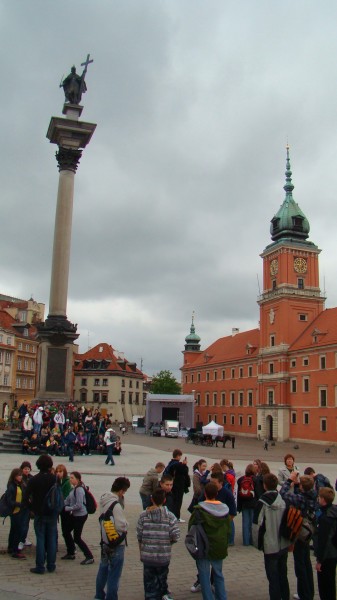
{"x": 326, "y": 531}
{"x": 36, "y": 491}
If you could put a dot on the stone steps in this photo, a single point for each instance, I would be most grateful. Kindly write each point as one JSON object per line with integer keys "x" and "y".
{"x": 11, "y": 441}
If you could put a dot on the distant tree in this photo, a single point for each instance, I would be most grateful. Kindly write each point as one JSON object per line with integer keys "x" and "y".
{"x": 164, "y": 383}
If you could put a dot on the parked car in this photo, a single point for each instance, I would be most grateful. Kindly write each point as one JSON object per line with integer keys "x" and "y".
{"x": 155, "y": 430}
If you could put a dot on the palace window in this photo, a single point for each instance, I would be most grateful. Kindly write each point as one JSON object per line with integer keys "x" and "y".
{"x": 223, "y": 398}
{"x": 293, "y": 386}
{"x": 215, "y": 375}
{"x": 105, "y": 382}
{"x": 250, "y": 371}
{"x": 249, "y": 420}
{"x": 250, "y": 398}
{"x": 232, "y": 398}
{"x": 241, "y": 372}
{"x": 272, "y": 340}
{"x": 300, "y": 283}
{"x": 323, "y": 424}
{"x": 322, "y": 361}
{"x": 207, "y": 375}
{"x": 215, "y": 397}
{"x": 306, "y": 386}
{"x": 323, "y": 397}
{"x": 271, "y": 368}
{"x": 305, "y": 361}
{"x": 224, "y": 419}
{"x": 305, "y": 418}
{"x": 223, "y": 374}
{"x": 270, "y": 397}
{"x": 83, "y": 382}
{"x": 233, "y": 373}
{"x": 198, "y": 377}
{"x": 96, "y": 382}
{"x": 294, "y": 417}
{"x": 130, "y": 397}
{"x": 232, "y": 420}
{"x": 207, "y": 399}
{"x": 240, "y": 420}
{"x": 240, "y": 398}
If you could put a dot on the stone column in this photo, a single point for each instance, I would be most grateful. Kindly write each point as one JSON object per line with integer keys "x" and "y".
{"x": 57, "y": 334}
{"x": 67, "y": 163}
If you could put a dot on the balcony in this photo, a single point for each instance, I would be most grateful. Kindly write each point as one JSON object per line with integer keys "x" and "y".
{"x": 289, "y": 290}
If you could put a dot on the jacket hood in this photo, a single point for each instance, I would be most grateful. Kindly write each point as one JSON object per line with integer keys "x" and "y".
{"x": 272, "y": 499}
{"x": 156, "y": 513}
{"x": 152, "y": 472}
{"x": 214, "y": 509}
{"x": 332, "y": 511}
{"x": 106, "y": 500}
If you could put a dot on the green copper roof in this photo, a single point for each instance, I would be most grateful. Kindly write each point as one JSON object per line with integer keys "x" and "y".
{"x": 289, "y": 222}
{"x": 192, "y": 340}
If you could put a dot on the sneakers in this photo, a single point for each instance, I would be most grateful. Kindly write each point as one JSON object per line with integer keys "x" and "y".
{"x": 28, "y": 543}
{"x": 68, "y": 557}
{"x": 296, "y": 596}
{"x": 87, "y": 561}
{"x": 36, "y": 571}
{"x": 196, "y": 587}
{"x": 167, "y": 597}
{"x": 18, "y": 555}
{"x": 181, "y": 520}
{"x": 21, "y": 546}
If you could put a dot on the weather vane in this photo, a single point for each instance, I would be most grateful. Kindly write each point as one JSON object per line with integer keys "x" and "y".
{"x": 74, "y": 85}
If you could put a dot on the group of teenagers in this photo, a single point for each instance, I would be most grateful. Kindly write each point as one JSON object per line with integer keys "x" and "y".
{"x": 66, "y": 433}
{"x": 218, "y": 494}
{"x": 263, "y": 499}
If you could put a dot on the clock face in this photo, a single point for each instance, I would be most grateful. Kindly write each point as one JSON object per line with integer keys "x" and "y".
{"x": 300, "y": 265}
{"x": 274, "y": 266}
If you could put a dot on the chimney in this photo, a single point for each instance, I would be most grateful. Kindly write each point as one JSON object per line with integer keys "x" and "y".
{"x": 235, "y": 330}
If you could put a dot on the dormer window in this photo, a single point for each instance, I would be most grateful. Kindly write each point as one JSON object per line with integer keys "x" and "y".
{"x": 298, "y": 223}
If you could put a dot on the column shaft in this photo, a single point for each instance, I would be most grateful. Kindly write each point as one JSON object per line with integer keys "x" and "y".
{"x": 62, "y": 243}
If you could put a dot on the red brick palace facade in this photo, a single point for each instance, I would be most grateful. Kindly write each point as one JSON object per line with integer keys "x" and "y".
{"x": 278, "y": 381}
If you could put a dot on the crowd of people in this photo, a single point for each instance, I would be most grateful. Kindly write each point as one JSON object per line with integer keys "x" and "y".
{"x": 263, "y": 499}
{"x": 69, "y": 431}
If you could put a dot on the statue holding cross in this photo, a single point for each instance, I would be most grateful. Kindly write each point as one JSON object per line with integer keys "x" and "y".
{"x": 74, "y": 85}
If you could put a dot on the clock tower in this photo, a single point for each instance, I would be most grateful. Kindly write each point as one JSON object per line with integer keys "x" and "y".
{"x": 291, "y": 295}
{"x": 291, "y": 299}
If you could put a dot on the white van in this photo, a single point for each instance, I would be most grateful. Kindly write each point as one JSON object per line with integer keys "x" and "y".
{"x": 135, "y": 421}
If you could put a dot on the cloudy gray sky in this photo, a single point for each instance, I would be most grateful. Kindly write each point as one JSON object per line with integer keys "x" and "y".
{"x": 194, "y": 101}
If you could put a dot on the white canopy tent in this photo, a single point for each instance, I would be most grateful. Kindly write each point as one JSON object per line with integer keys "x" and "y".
{"x": 213, "y": 429}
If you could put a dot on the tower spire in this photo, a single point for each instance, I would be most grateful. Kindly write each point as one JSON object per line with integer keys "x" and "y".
{"x": 192, "y": 340}
{"x": 289, "y": 222}
{"x": 288, "y": 187}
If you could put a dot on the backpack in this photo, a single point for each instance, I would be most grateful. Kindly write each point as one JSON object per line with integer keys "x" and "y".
{"x": 308, "y": 527}
{"x": 196, "y": 540}
{"x": 89, "y": 500}
{"x": 110, "y": 538}
{"x": 291, "y": 523}
{"x": 5, "y": 509}
{"x": 246, "y": 488}
{"x": 113, "y": 437}
{"x": 53, "y": 502}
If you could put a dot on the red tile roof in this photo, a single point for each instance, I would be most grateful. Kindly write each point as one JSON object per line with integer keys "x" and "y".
{"x": 325, "y": 326}
{"x": 230, "y": 348}
{"x": 105, "y": 352}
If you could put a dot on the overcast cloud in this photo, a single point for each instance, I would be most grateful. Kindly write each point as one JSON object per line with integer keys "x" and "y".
{"x": 194, "y": 101}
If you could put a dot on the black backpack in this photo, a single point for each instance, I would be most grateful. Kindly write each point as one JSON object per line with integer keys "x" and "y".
{"x": 53, "y": 503}
{"x": 89, "y": 500}
{"x": 196, "y": 540}
{"x": 5, "y": 509}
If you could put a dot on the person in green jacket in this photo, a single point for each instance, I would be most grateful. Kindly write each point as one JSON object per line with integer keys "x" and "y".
{"x": 216, "y": 523}
{"x": 63, "y": 477}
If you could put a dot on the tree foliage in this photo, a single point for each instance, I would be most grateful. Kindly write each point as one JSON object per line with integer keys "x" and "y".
{"x": 164, "y": 383}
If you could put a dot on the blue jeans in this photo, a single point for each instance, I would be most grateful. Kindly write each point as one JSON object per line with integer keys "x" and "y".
{"x": 46, "y": 536}
{"x": 109, "y": 574}
{"x": 247, "y": 522}
{"x": 109, "y": 448}
{"x": 232, "y": 534}
{"x": 204, "y": 566}
{"x": 146, "y": 500}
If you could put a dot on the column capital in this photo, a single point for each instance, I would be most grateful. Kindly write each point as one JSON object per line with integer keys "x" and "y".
{"x": 68, "y": 159}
